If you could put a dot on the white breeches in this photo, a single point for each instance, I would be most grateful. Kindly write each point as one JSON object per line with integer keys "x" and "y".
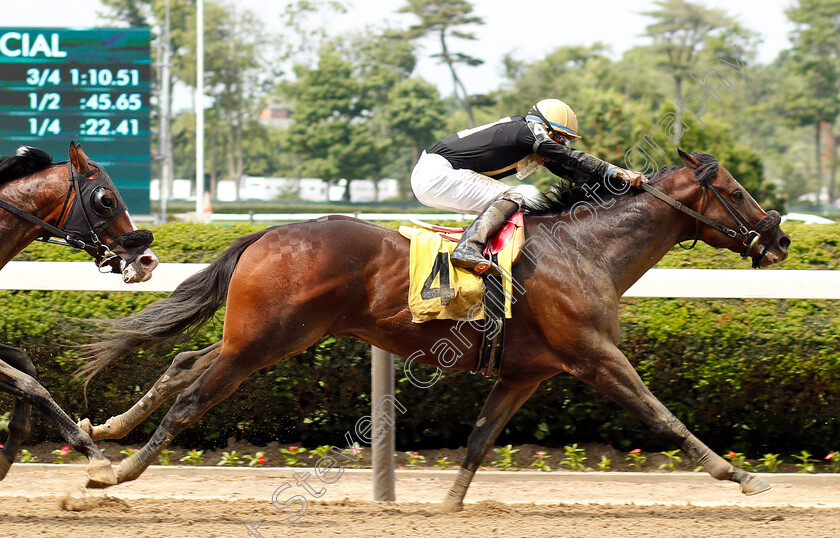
{"x": 436, "y": 184}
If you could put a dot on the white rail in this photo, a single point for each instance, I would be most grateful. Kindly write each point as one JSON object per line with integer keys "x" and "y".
{"x": 688, "y": 283}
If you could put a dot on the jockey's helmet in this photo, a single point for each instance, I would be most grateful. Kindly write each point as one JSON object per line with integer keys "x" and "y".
{"x": 557, "y": 116}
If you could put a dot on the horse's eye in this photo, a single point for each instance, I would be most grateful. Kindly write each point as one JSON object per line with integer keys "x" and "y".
{"x": 102, "y": 202}
{"x": 737, "y": 196}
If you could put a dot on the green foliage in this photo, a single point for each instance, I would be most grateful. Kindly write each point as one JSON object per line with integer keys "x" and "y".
{"x": 230, "y": 459}
{"x": 256, "y": 460}
{"x": 739, "y": 460}
{"x": 575, "y": 456}
{"x": 505, "y": 460}
{"x": 193, "y": 457}
{"x": 636, "y": 459}
{"x": 770, "y": 463}
{"x": 806, "y": 462}
{"x": 63, "y": 452}
{"x": 292, "y": 455}
{"x": 165, "y": 457}
{"x": 413, "y": 459}
{"x": 673, "y": 460}
{"x": 27, "y": 457}
{"x": 541, "y": 461}
{"x": 833, "y": 462}
{"x": 605, "y": 464}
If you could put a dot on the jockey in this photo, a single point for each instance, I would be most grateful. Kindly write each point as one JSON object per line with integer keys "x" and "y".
{"x": 460, "y": 172}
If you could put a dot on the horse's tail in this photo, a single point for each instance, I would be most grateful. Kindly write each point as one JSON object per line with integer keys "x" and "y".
{"x": 179, "y": 316}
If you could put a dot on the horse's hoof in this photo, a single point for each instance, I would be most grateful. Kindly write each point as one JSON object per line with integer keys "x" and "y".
{"x": 753, "y": 485}
{"x": 451, "y": 506}
{"x": 100, "y": 474}
{"x": 86, "y": 426}
{"x": 5, "y": 464}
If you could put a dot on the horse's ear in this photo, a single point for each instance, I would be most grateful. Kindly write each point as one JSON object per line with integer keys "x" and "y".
{"x": 78, "y": 158}
{"x": 689, "y": 160}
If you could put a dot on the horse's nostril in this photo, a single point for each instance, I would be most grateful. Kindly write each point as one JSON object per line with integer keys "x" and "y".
{"x": 784, "y": 242}
{"x": 148, "y": 262}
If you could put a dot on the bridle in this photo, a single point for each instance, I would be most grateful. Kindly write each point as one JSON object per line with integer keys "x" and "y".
{"x": 744, "y": 232}
{"x": 79, "y": 225}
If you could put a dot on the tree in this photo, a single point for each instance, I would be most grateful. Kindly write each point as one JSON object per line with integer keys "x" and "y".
{"x": 681, "y": 30}
{"x": 134, "y": 12}
{"x": 414, "y": 113}
{"x": 334, "y": 132}
{"x": 441, "y": 19}
{"x": 816, "y": 42}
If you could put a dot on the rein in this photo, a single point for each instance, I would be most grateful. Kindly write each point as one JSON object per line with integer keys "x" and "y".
{"x": 747, "y": 234}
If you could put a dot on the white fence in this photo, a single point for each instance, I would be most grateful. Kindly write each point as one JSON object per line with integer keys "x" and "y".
{"x": 688, "y": 283}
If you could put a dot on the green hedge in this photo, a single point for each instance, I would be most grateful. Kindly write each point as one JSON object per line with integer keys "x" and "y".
{"x": 753, "y": 376}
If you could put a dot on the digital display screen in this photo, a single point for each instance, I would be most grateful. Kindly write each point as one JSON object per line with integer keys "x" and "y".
{"x": 90, "y": 85}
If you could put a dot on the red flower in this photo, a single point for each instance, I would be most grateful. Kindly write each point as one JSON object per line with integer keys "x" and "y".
{"x": 261, "y": 459}
{"x": 636, "y": 451}
{"x": 829, "y": 456}
{"x": 1, "y": 446}
{"x": 732, "y": 454}
{"x": 293, "y": 447}
{"x": 540, "y": 453}
{"x": 65, "y": 450}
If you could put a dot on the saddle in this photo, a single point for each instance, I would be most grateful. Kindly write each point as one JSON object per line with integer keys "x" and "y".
{"x": 439, "y": 290}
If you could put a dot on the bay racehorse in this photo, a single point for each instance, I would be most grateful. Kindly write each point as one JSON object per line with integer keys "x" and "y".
{"x": 288, "y": 286}
{"x": 76, "y": 204}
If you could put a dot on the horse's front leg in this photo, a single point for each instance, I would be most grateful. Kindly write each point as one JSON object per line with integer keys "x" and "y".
{"x": 184, "y": 370}
{"x": 20, "y": 423}
{"x": 609, "y": 371}
{"x": 25, "y": 388}
{"x": 504, "y": 400}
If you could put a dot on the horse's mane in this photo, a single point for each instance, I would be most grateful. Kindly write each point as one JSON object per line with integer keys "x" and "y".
{"x": 26, "y": 161}
{"x": 563, "y": 195}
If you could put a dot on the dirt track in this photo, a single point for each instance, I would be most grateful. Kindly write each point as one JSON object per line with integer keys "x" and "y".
{"x": 45, "y": 500}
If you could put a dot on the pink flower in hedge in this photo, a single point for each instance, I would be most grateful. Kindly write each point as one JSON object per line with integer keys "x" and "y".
{"x": 829, "y": 456}
{"x": 1, "y": 446}
{"x": 540, "y": 453}
{"x": 415, "y": 456}
{"x": 636, "y": 451}
{"x": 293, "y": 448}
{"x": 732, "y": 454}
{"x": 65, "y": 450}
{"x": 355, "y": 451}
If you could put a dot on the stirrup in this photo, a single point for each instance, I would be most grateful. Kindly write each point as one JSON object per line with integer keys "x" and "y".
{"x": 482, "y": 267}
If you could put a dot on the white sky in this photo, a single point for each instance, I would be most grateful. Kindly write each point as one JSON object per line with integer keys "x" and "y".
{"x": 529, "y": 28}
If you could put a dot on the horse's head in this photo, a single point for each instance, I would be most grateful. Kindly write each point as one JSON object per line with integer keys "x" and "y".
{"x": 739, "y": 223}
{"x": 97, "y": 216}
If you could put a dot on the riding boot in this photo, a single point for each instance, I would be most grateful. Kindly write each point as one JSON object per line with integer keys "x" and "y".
{"x": 470, "y": 249}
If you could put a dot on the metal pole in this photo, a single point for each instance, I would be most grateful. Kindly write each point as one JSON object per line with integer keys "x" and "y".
{"x": 165, "y": 100}
{"x": 199, "y": 111}
{"x": 382, "y": 450}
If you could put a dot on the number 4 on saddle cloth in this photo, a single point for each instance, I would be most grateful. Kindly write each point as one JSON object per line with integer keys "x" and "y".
{"x": 440, "y": 290}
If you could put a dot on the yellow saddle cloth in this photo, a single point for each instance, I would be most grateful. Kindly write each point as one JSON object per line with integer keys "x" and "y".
{"x": 438, "y": 289}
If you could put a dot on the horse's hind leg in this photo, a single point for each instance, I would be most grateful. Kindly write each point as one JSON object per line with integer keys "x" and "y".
{"x": 504, "y": 400}
{"x": 27, "y": 389}
{"x": 21, "y": 420}
{"x": 218, "y": 382}
{"x": 184, "y": 370}
{"x": 615, "y": 376}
